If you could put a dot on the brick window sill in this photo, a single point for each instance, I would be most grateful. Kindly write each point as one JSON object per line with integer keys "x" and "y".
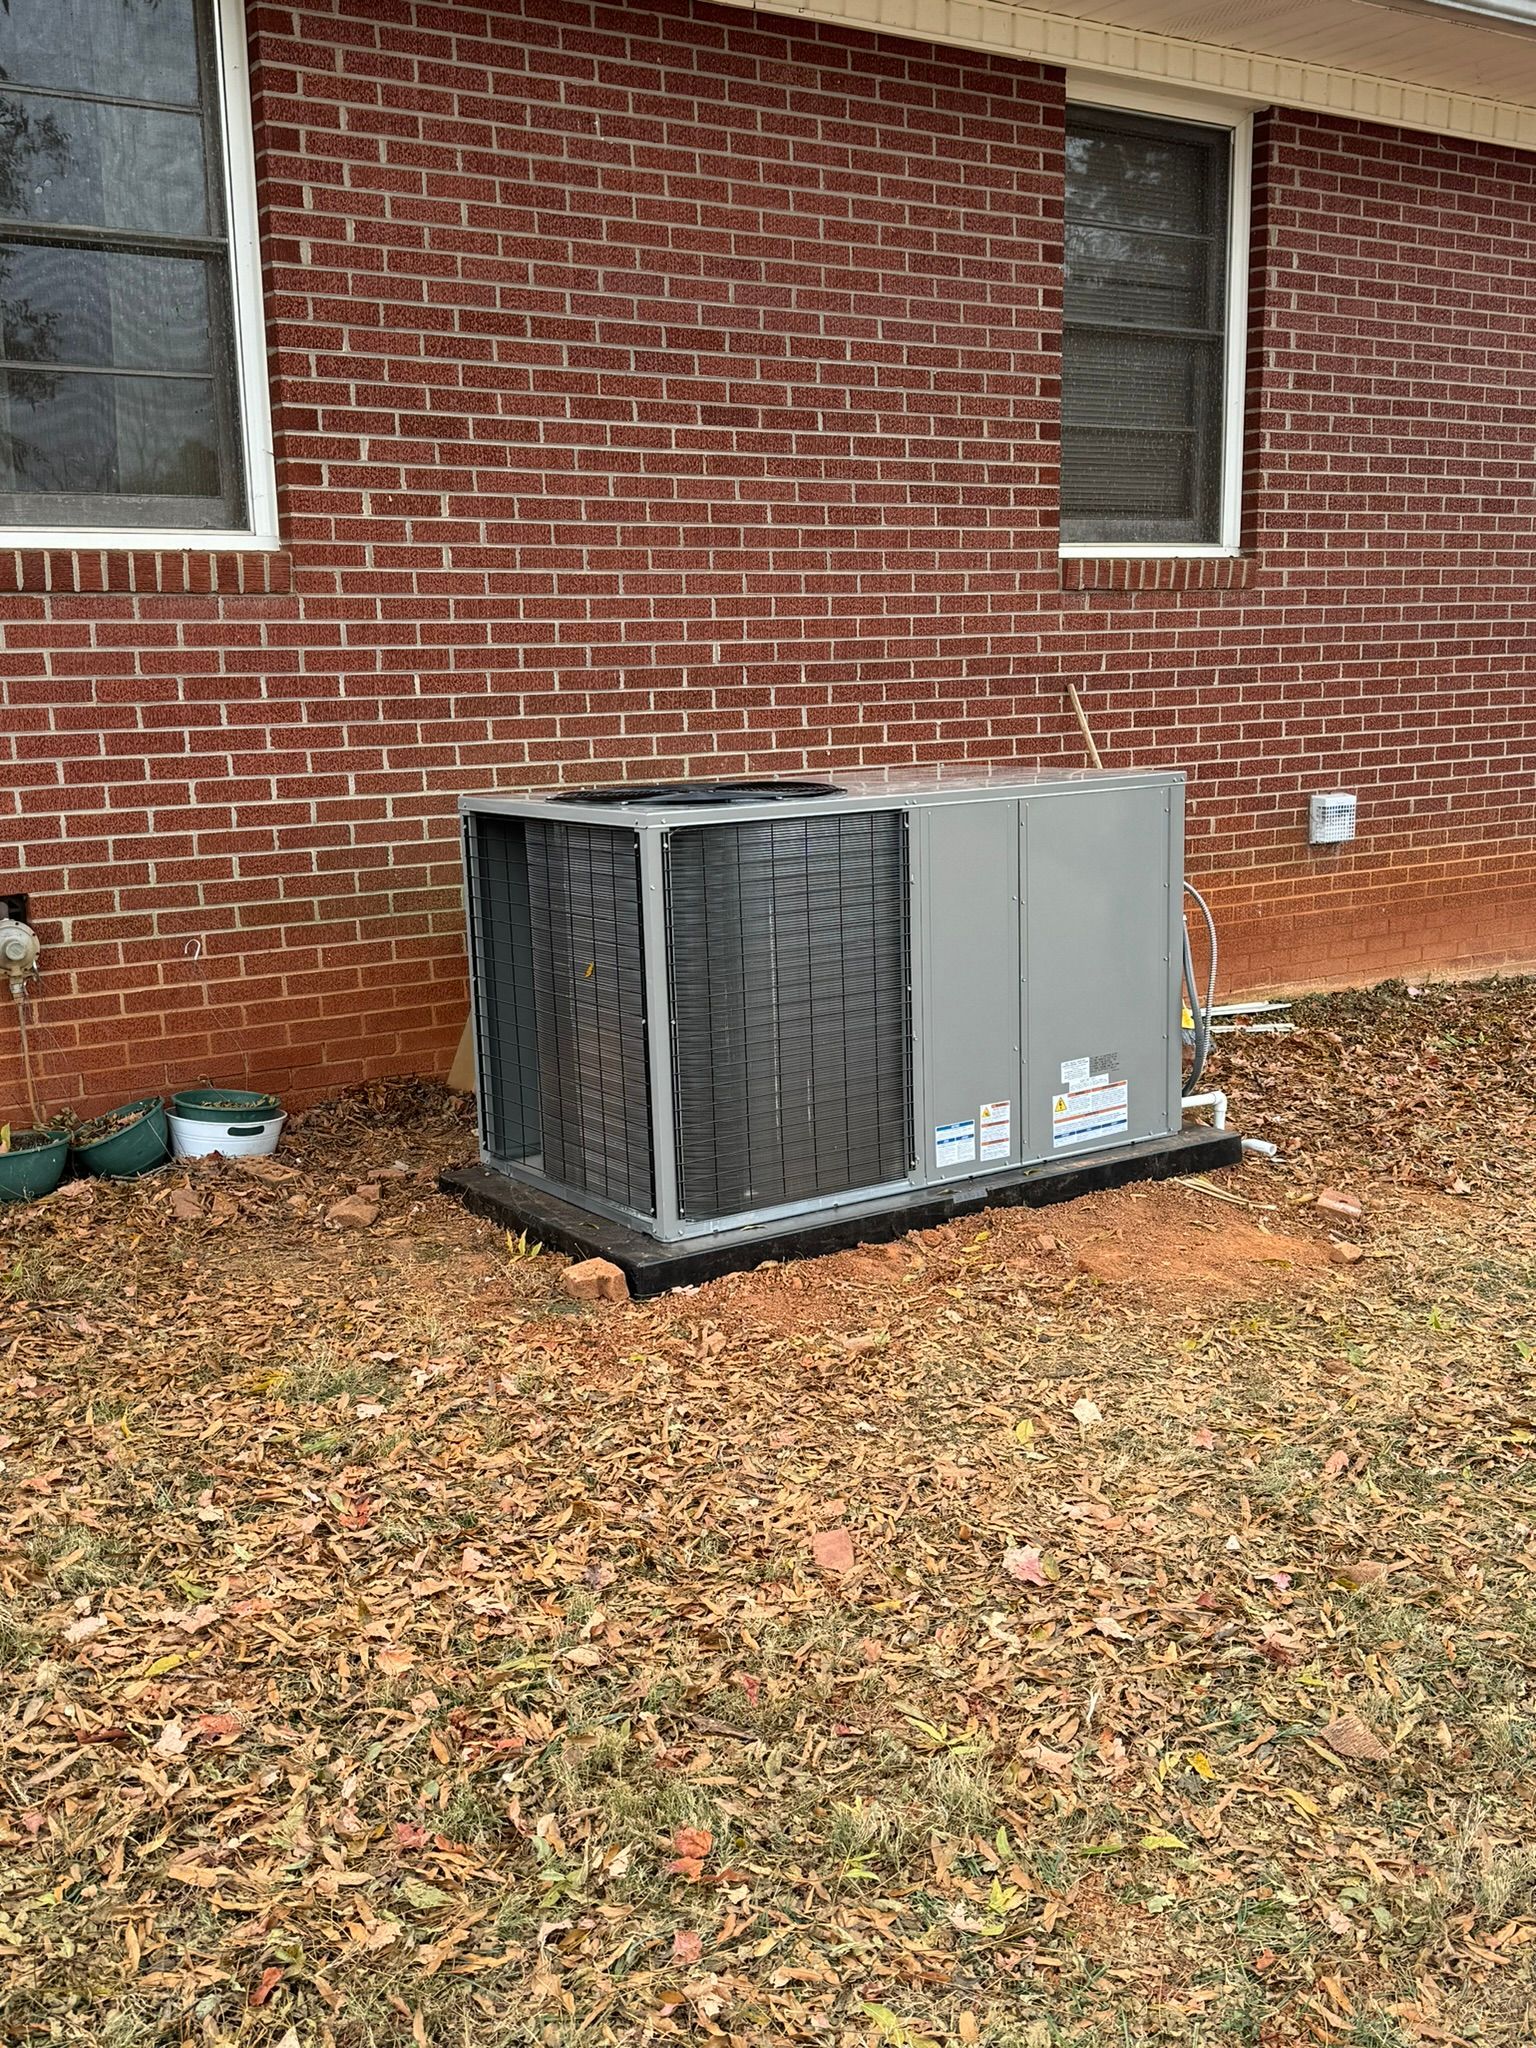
{"x": 161, "y": 572}
{"x": 1157, "y": 572}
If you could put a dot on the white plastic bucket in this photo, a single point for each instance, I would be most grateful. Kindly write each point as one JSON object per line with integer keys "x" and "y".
{"x": 194, "y": 1137}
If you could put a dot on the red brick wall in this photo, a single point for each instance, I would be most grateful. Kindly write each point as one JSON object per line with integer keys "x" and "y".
{"x": 655, "y": 388}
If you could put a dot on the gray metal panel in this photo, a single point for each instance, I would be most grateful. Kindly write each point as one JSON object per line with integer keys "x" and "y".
{"x": 1102, "y": 876}
{"x": 651, "y": 849}
{"x": 968, "y": 878}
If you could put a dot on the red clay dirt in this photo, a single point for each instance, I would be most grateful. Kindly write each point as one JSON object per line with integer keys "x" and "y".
{"x": 1175, "y": 1238}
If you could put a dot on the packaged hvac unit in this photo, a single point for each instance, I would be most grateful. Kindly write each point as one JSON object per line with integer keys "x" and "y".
{"x": 717, "y": 1020}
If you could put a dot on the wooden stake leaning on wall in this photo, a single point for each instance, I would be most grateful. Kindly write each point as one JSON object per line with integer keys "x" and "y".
{"x": 1083, "y": 726}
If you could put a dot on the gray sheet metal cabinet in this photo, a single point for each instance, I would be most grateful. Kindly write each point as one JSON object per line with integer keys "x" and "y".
{"x": 704, "y": 1017}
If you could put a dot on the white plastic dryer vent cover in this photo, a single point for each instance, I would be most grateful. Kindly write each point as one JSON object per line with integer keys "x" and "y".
{"x": 1330, "y": 817}
{"x": 703, "y": 1009}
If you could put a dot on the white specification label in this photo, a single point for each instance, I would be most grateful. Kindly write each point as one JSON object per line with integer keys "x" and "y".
{"x": 996, "y": 1130}
{"x": 954, "y": 1144}
{"x": 1094, "y": 1107}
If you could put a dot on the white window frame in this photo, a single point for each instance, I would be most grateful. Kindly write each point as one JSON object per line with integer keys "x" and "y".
{"x": 250, "y": 340}
{"x": 1238, "y": 119}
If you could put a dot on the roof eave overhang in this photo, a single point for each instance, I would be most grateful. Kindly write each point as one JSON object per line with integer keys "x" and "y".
{"x": 1089, "y": 48}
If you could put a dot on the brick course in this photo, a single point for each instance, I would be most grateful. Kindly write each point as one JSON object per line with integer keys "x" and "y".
{"x": 655, "y": 388}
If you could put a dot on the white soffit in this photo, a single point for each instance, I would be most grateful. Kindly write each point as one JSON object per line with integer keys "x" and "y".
{"x": 1408, "y": 63}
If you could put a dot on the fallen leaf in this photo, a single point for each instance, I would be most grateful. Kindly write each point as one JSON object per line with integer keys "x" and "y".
{"x": 1107, "y": 1625}
{"x": 1302, "y": 1801}
{"x": 173, "y": 1740}
{"x": 1366, "y": 1573}
{"x": 833, "y": 1549}
{"x": 1279, "y": 1650}
{"x": 893, "y": 2028}
{"x": 692, "y": 1846}
{"x": 426, "y": 1898}
{"x": 1024, "y": 1563}
{"x": 266, "y": 1984}
{"x": 216, "y": 1727}
{"x": 393, "y": 1661}
{"x": 1349, "y": 1737}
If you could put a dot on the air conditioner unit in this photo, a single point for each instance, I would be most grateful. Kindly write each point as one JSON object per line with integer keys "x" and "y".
{"x": 718, "y": 1021}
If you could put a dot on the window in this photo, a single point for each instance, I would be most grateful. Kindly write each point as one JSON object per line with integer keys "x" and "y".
{"x": 120, "y": 342}
{"x": 1156, "y": 223}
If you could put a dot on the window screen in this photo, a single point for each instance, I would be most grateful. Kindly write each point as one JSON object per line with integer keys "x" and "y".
{"x": 117, "y": 385}
{"x": 1145, "y": 321}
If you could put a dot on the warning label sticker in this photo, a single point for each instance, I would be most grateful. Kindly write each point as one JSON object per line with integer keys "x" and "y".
{"x": 996, "y": 1130}
{"x": 954, "y": 1144}
{"x": 1094, "y": 1107}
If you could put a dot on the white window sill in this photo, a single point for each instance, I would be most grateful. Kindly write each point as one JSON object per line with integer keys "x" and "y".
{"x": 137, "y": 540}
{"x": 1140, "y": 551}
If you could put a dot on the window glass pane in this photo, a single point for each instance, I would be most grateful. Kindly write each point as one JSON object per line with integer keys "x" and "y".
{"x": 128, "y": 49}
{"x": 1130, "y": 177}
{"x": 1140, "y": 458}
{"x": 1143, "y": 344}
{"x": 1115, "y": 274}
{"x": 72, "y": 435}
{"x": 103, "y": 307}
{"x": 100, "y": 166}
{"x": 1136, "y": 380}
{"x": 1137, "y": 486}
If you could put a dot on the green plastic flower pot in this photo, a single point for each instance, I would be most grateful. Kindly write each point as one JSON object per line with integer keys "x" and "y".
{"x": 224, "y": 1105}
{"x": 123, "y": 1151}
{"x": 34, "y": 1165}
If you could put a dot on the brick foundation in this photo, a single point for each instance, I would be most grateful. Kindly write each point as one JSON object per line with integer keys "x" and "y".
{"x": 657, "y": 389}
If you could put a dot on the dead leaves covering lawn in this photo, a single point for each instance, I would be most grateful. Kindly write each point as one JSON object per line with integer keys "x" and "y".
{"x": 398, "y": 1653}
